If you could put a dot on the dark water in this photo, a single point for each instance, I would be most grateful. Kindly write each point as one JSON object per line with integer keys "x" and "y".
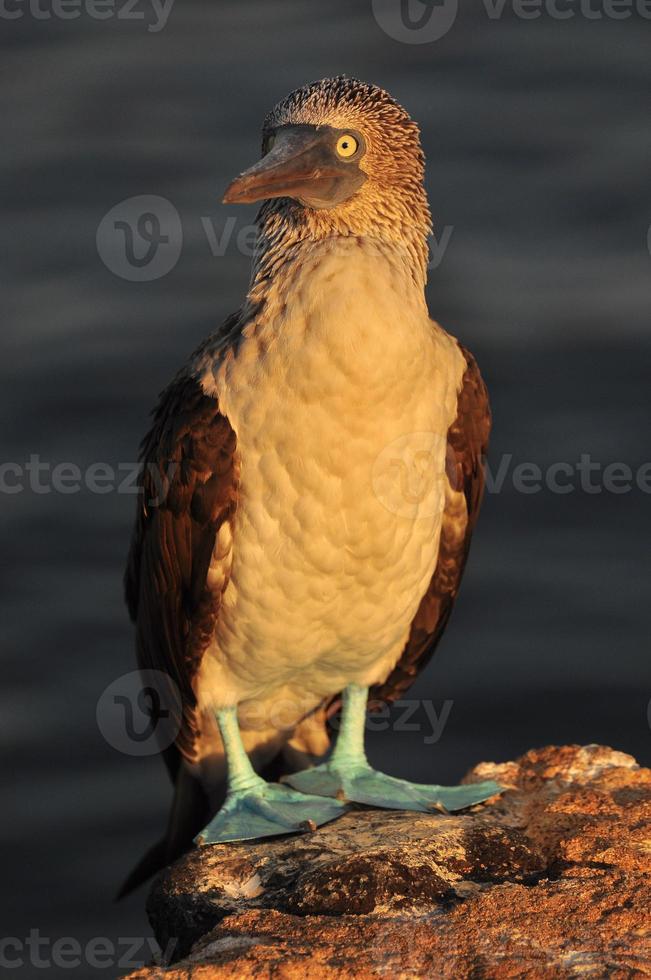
{"x": 538, "y": 158}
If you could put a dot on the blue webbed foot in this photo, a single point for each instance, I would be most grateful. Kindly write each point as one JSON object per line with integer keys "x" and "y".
{"x": 360, "y": 783}
{"x": 266, "y": 810}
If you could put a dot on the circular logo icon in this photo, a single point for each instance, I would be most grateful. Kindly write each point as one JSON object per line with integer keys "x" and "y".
{"x": 140, "y": 712}
{"x": 408, "y": 475}
{"x": 415, "y": 21}
{"x": 140, "y": 238}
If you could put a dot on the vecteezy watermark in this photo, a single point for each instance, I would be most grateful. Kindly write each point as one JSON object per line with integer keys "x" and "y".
{"x": 406, "y": 476}
{"x": 66, "y": 952}
{"x": 42, "y": 477}
{"x": 415, "y": 21}
{"x": 245, "y": 238}
{"x": 425, "y": 21}
{"x": 409, "y": 475}
{"x": 154, "y": 13}
{"x": 584, "y": 475}
{"x": 140, "y": 712}
{"x": 410, "y": 715}
{"x": 439, "y": 246}
{"x": 141, "y": 238}
{"x": 417, "y": 715}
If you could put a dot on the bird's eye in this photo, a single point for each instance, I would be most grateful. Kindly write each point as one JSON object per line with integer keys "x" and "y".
{"x": 347, "y": 145}
{"x": 268, "y": 143}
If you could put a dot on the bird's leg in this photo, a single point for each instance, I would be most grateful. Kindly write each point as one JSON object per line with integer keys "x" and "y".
{"x": 348, "y": 776}
{"x": 255, "y": 808}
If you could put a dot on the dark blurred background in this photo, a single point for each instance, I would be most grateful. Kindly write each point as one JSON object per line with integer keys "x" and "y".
{"x": 537, "y": 140}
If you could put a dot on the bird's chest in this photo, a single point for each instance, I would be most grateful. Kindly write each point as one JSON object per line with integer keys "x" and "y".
{"x": 341, "y": 414}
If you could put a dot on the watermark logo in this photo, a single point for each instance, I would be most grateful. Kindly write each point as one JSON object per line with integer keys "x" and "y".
{"x": 139, "y": 713}
{"x": 404, "y": 476}
{"x": 140, "y": 239}
{"x": 425, "y": 21}
{"x": 67, "y": 953}
{"x": 438, "y": 247}
{"x": 43, "y": 477}
{"x": 415, "y": 21}
{"x": 152, "y": 12}
{"x": 407, "y": 476}
{"x": 411, "y": 715}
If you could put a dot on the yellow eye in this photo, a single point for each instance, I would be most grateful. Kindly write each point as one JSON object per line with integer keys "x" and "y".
{"x": 347, "y": 145}
{"x": 268, "y": 143}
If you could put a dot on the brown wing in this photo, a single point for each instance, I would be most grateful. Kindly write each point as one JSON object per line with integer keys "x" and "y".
{"x": 467, "y": 445}
{"x": 188, "y": 490}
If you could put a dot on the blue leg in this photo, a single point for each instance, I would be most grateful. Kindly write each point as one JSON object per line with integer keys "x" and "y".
{"x": 254, "y": 808}
{"x": 348, "y": 776}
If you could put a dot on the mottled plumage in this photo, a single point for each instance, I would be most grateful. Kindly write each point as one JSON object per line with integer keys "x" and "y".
{"x": 282, "y": 565}
{"x": 467, "y": 445}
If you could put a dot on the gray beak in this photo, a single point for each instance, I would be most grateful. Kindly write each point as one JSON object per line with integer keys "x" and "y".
{"x": 302, "y": 165}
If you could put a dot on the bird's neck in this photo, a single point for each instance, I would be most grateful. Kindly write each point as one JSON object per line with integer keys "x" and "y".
{"x": 286, "y": 229}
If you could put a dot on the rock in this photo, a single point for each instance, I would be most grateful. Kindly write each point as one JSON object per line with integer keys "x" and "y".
{"x": 550, "y": 880}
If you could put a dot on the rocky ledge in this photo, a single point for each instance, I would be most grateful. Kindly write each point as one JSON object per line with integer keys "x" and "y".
{"x": 551, "y": 880}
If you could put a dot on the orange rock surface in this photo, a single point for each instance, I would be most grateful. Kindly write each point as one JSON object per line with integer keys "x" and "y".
{"x": 551, "y": 880}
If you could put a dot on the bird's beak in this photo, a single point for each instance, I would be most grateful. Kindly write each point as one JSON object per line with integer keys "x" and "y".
{"x": 301, "y": 165}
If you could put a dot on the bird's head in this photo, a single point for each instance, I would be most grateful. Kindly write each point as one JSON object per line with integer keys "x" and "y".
{"x": 339, "y": 156}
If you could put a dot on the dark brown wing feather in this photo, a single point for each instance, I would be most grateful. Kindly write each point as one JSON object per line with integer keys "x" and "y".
{"x": 188, "y": 489}
{"x": 467, "y": 445}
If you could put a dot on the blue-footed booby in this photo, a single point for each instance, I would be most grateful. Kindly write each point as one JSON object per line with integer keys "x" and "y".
{"x": 323, "y": 458}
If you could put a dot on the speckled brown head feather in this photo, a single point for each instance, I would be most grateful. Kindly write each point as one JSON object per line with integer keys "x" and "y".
{"x": 391, "y": 204}
{"x": 394, "y": 160}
